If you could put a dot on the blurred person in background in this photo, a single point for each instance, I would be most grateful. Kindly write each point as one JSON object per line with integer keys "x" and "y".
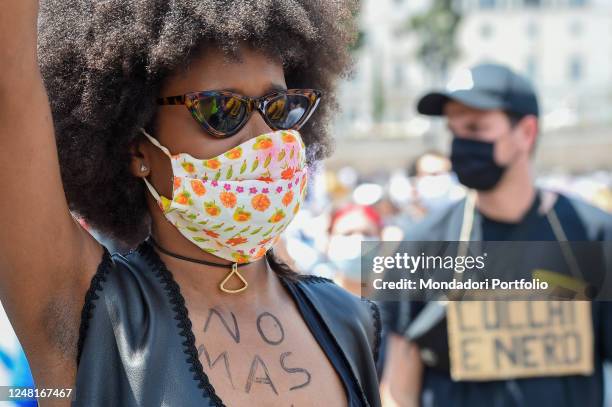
{"x": 492, "y": 113}
{"x": 349, "y": 226}
{"x": 386, "y": 207}
{"x": 434, "y": 184}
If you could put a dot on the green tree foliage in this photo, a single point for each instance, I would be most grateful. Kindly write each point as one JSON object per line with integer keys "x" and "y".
{"x": 436, "y": 29}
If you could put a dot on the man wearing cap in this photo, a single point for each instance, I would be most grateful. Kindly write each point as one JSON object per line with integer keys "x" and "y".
{"x": 492, "y": 113}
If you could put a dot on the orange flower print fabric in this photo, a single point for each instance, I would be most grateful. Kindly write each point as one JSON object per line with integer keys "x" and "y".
{"x": 237, "y": 204}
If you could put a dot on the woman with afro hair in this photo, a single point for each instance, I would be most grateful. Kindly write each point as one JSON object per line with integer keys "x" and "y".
{"x": 184, "y": 130}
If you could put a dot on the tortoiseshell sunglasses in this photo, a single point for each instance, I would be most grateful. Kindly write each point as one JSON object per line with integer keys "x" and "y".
{"x": 223, "y": 114}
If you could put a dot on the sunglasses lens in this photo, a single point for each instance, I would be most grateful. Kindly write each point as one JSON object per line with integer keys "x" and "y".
{"x": 221, "y": 112}
{"x": 285, "y": 111}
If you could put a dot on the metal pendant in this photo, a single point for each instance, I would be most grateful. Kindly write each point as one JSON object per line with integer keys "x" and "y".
{"x": 226, "y": 279}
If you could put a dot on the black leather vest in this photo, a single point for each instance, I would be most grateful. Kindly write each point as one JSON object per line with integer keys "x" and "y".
{"x": 136, "y": 346}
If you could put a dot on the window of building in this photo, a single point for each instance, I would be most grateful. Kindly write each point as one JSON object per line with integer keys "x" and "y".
{"x": 575, "y": 28}
{"x": 398, "y": 74}
{"x": 487, "y": 3}
{"x": 531, "y": 67}
{"x": 575, "y": 68}
{"x": 486, "y": 31}
{"x": 533, "y": 3}
{"x": 532, "y": 29}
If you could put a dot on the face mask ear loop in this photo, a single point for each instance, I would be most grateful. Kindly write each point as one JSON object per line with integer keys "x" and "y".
{"x": 156, "y": 143}
{"x": 166, "y": 151}
{"x": 152, "y": 190}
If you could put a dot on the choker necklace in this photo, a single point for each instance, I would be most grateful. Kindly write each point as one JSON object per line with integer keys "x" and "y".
{"x": 234, "y": 268}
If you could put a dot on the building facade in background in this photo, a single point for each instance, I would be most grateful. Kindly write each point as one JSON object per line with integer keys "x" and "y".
{"x": 565, "y": 46}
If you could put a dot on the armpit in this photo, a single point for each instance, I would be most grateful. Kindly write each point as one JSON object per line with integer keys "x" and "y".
{"x": 60, "y": 323}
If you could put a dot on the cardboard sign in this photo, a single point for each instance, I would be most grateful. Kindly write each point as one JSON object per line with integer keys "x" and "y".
{"x": 497, "y": 340}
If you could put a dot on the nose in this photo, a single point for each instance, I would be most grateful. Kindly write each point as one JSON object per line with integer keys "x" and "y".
{"x": 256, "y": 126}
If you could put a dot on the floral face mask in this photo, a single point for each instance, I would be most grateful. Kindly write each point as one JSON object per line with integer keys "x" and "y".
{"x": 236, "y": 205}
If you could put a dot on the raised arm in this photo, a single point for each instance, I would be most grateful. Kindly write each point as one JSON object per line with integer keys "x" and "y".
{"x": 45, "y": 256}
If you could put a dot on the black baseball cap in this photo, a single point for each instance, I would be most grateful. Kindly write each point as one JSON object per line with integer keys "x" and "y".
{"x": 485, "y": 87}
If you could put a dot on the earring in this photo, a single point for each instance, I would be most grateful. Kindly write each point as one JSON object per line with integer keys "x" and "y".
{"x": 143, "y": 168}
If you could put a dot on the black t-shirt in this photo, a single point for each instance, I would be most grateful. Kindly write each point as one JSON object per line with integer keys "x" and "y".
{"x": 580, "y": 222}
{"x": 531, "y": 227}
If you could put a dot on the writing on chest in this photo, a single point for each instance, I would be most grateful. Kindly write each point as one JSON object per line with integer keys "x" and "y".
{"x": 250, "y": 356}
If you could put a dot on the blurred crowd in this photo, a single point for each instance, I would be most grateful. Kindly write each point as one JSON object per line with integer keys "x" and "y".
{"x": 345, "y": 208}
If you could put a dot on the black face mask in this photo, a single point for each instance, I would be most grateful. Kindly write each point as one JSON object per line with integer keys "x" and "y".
{"x": 474, "y": 163}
